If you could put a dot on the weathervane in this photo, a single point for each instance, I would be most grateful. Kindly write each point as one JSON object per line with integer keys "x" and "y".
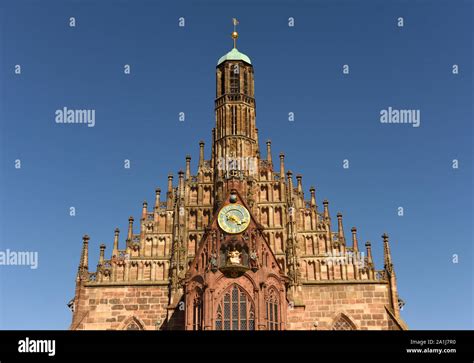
{"x": 235, "y": 35}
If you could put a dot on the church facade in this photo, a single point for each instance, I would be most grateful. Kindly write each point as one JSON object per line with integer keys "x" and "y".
{"x": 236, "y": 245}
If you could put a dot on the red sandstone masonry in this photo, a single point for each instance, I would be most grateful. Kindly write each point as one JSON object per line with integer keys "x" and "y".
{"x": 110, "y": 307}
{"x": 364, "y": 304}
{"x": 131, "y": 288}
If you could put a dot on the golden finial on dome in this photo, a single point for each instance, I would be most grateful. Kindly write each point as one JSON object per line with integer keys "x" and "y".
{"x": 235, "y": 35}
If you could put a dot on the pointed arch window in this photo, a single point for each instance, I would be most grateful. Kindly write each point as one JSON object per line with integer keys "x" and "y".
{"x": 234, "y": 120}
{"x": 132, "y": 326}
{"x": 343, "y": 323}
{"x": 246, "y": 85}
{"x": 246, "y": 113}
{"x": 272, "y": 310}
{"x": 197, "y": 313}
{"x": 235, "y": 311}
{"x": 234, "y": 79}
{"x": 223, "y": 81}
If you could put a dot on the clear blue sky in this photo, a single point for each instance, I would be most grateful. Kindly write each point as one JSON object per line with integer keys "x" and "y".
{"x": 297, "y": 70}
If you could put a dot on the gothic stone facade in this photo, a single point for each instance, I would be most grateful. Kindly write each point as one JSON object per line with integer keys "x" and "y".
{"x": 283, "y": 267}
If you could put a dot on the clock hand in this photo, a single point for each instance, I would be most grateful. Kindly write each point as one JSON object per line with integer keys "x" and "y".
{"x": 234, "y": 219}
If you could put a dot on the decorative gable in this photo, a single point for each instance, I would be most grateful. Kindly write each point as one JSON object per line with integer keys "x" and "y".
{"x": 234, "y": 243}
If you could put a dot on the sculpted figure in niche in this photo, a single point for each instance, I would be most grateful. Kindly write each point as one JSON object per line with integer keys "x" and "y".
{"x": 253, "y": 260}
{"x": 233, "y": 257}
{"x": 213, "y": 261}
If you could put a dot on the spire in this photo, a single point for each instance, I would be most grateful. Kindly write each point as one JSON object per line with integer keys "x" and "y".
{"x": 282, "y": 166}
{"x": 326, "y": 209}
{"x": 269, "y": 151}
{"x": 340, "y": 228}
{"x": 355, "y": 253}
{"x": 144, "y": 210}
{"x": 201, "y": 153}
{"x": 289, "y": 175}
{"x": 130, "y": 228}
{"x": 355, "y": 245}
{"x": 157, "y": 198}
{"x": 299, "y": 179}
{"x": 101, "y": 254}
{"x": 312, "y": 191}
{"x": 388, "y": 266}
{"x": 386, "y": 253}
{"x": 170, "y": 183}
{"x": 116, "y": 242}
{"x": 235, "y": 35}
{"x": 370, "y": 262}
{"x": 188, "y": 167}
{"x": 169, "y": 194}
{"x": 181, "y": 183}
{"x": 84, "y": 261}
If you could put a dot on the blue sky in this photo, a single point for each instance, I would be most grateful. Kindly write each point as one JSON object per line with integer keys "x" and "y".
{"x": 297, "y": 69}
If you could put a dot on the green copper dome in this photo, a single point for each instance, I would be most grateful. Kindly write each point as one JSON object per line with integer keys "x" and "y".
{"x": 234, "y": 54}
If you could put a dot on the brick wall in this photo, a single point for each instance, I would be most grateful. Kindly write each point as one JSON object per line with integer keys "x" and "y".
{"x": 116, "y": 307}
{"x": 362, "y": 303}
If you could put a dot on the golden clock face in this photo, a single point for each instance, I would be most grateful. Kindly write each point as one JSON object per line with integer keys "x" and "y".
{"x": 234, "y": 218}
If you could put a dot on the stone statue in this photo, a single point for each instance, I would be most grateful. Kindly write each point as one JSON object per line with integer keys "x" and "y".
{"x": 213, "y": 262}
{"x": 233, "y": 257}
{"x": 253, "y": 260}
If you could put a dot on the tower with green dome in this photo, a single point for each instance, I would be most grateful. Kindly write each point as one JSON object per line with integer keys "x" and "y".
{"x": 235, "y": 135}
